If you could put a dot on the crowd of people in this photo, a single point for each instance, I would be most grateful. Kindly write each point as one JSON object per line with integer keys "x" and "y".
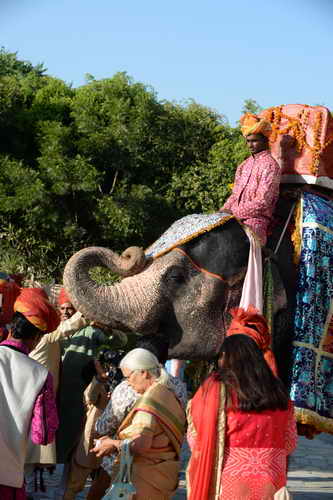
{"x": 62, "y": 402}
{"x": 240, "y": 424}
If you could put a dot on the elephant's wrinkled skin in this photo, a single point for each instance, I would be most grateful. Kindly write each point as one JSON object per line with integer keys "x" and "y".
{"x": 170, "y": 296}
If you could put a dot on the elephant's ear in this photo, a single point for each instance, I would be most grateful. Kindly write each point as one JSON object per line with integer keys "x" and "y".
{"x": 223, "y": 251}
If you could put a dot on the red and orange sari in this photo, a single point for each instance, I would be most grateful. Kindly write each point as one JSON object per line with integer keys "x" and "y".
{"x": 235, "y": 454}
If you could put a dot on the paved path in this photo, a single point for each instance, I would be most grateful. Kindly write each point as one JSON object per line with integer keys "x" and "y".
{"x": 310, "y": 473}
{"x": 311, "y": 469}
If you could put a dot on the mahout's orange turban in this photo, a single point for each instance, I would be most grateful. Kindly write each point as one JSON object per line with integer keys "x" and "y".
{"x": 252, "y": 124}
{"x": 63, "y": 297}
{"x": 254, "y": 325}
{"x": 33, "y": 303}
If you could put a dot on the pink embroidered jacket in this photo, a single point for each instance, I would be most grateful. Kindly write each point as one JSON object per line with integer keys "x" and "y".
{"x": 44, "y": 422}
{"x": 255, "y": 192}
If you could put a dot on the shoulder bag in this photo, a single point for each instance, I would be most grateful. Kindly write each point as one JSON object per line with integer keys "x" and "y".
{"x": 122, "y": 488}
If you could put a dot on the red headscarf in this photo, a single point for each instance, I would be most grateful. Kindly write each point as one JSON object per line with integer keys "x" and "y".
{"x": 33, "y": 303}
{"x": 63, "y": 297}
{"x": 254, "y": 325}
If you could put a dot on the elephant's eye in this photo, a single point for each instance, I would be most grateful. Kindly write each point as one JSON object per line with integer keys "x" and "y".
{"x": 175, "y": 275}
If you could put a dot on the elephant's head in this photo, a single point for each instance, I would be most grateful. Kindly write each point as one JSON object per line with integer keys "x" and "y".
{"x": 183, "y": 295}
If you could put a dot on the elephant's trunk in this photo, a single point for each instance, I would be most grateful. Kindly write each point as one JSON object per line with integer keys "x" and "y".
{"x": 120, "y": 304}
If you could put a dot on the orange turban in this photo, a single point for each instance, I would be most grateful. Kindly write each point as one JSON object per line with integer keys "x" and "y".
{"x": 9, "y": 291}
{"x": 252, "y": 124}
{"x": 63, "y": 297}
{"x": 254, "y": 325}
{"x": 33, "y": 303}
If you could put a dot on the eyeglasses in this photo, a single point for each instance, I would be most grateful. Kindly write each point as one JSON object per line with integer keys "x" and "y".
{"x": 129, "y": 376}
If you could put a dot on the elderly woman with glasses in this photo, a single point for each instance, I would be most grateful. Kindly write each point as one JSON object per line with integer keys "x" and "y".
{"x": 155, "y": 426}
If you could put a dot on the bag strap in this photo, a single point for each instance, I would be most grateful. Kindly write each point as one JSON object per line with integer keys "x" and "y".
{"x": 126, "y": 460}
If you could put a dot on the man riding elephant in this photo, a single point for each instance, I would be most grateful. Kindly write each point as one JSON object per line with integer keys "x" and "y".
{"x": 253, "y": 200}
{"x": 257, "y": 180}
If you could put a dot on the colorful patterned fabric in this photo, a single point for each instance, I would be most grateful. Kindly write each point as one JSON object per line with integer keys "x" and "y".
{"x": 33, "y": 303}
{"x": 312, "y": 366}
{"x": 252, "y": 124}
{"x": 184, "y": 230}
{"x": 254, "y": 448}
{"x": 122, "y": 400}
{"x": 161, "y": 402}
{"x": 158, "y": 414}
{"x": 255, "y": 192}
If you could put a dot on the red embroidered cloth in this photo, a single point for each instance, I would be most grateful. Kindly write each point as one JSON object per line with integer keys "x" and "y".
{"x": 256, "y": 449}
{"x": 256, "y": 446}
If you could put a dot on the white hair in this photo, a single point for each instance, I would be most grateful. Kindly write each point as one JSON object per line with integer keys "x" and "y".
{"x": 142, "y": 359}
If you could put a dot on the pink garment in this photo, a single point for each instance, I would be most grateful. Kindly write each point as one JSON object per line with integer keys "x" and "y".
{"x": 255, "y": 192}
{"x": 252, "y": 286}
{"x": 44, "y": 422}
{"x": 255, "y": 454}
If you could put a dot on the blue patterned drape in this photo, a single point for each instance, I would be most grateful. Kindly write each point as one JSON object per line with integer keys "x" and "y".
{"x": 312, "y": 367}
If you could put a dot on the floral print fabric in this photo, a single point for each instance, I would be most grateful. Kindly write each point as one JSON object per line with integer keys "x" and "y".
{"x": 255, "y": 192}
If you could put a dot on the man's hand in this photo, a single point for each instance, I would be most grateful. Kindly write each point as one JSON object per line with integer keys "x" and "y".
{"x": 105, "y": 446}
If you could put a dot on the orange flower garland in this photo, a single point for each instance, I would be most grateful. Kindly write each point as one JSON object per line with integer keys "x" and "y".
{"x": 296, "y": 127}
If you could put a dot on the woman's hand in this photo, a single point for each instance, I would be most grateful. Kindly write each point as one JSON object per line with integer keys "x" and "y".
{"x": 105, "y": 446}
{"x": 102, "y": 375}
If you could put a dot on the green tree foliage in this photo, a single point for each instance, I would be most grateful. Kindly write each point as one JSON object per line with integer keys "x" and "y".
{"x": 104, "y": 164}
{"x": 251, "y": 106}
{"x": 204, "y": 186}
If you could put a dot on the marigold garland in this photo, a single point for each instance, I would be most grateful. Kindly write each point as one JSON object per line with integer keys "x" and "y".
{"x": 316, "y": 142}
{"x": 296, "y": 127}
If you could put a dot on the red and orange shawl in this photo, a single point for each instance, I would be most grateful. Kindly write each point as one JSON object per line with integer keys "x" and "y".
{"x": 206, "y": 414}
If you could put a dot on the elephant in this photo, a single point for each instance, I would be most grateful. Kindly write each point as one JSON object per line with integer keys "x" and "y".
{"x": 184, "y": 295}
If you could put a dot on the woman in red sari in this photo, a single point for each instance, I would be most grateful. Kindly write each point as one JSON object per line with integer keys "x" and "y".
{"x": 241, "y": 422}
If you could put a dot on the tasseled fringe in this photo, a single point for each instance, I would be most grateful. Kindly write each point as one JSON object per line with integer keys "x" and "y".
{"x": 296, "y": 236}
{"x": 311, "y": 418}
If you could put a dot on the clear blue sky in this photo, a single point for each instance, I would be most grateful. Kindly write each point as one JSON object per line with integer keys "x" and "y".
{"x": 216, "y": 52}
